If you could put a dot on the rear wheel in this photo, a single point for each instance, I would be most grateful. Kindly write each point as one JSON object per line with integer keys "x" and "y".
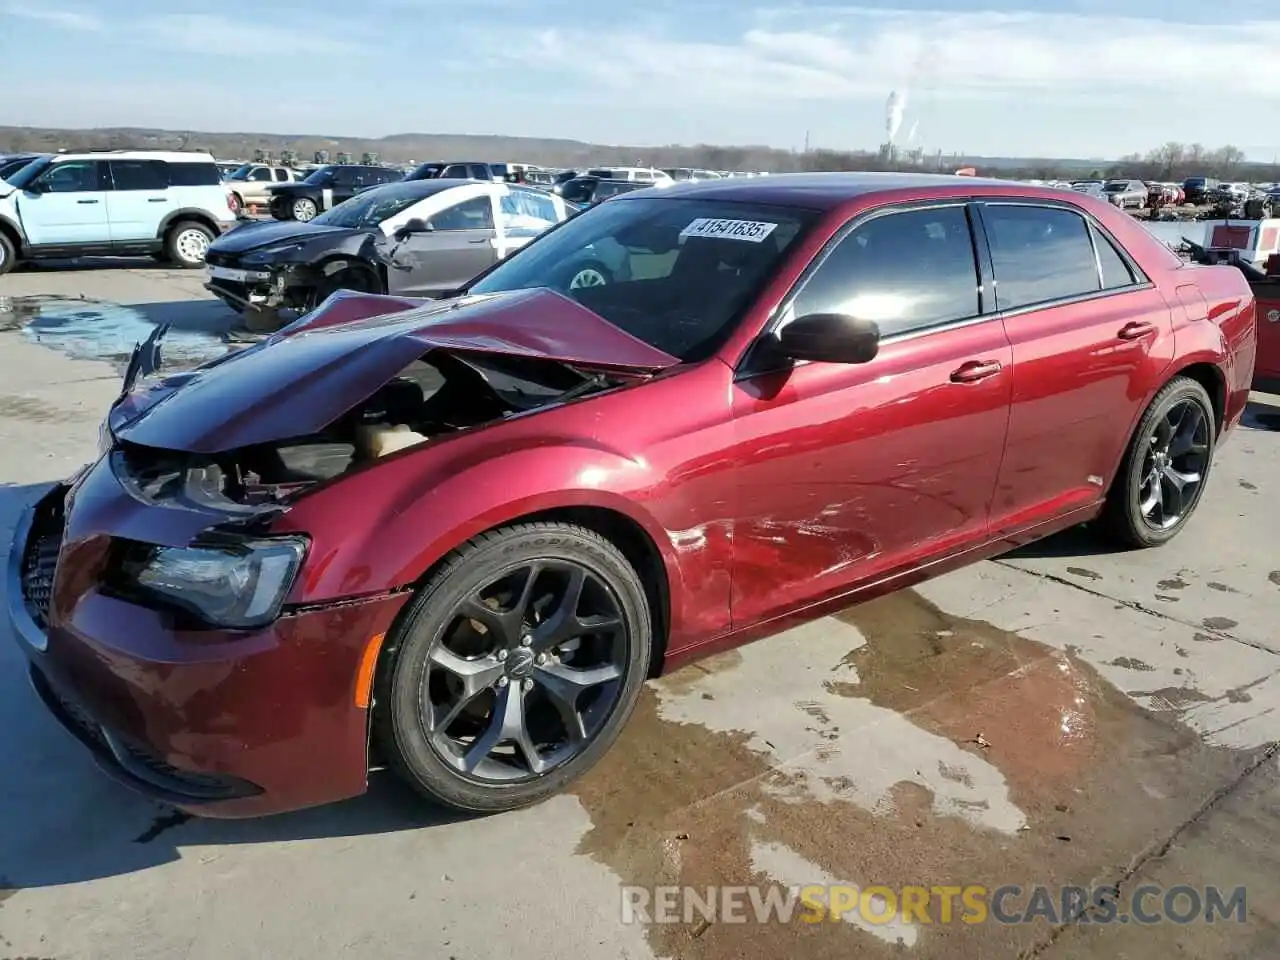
{"x": 303, "y": 209}
{"x": 186, "y": 243}
{"x": 515, "y": 669}
{"x": 1164, "y": 471}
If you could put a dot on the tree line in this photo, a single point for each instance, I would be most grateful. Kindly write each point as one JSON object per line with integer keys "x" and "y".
{"x": 1171, "y": 161}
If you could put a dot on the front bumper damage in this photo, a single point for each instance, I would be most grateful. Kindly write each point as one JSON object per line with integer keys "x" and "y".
{"x": 218, "y": 723}
{"x": 257, "y": 288}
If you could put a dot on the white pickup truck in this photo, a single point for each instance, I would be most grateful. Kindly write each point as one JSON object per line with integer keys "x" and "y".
{"x": 251, "y": 184}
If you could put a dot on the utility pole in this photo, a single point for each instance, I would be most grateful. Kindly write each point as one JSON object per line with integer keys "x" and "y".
{"x": 806, "y": 141}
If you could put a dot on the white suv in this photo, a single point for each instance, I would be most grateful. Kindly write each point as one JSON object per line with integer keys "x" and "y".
{"x": 114, "y": 203}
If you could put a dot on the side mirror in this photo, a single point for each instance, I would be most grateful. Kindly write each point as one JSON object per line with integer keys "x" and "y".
{"x": 409, "y": 228}
{"x": 830, "y": 338}
{"x": 39, "y": 186}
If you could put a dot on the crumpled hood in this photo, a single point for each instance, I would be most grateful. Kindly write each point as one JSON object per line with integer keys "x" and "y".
{"x": 309, "y": 374}
{"x": 254, "y": 236}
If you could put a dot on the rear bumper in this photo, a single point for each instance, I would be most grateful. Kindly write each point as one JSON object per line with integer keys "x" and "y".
{"x": 220, "y": 724}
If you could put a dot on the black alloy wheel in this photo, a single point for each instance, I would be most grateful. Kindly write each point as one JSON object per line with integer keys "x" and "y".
{"x": 1166, "y": 467}
{"x": 515, "y": 668}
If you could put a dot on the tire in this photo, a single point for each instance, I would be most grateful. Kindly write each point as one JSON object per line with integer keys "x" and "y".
{"x": 1125, "y": 518}
{"x": 435, "y": 765}
{"x": 303, "y": 209}
{"x": 237, "y": 203}
{"x": 8, "y": 255}
{"x": 593, "y": 273}
{"x": 186, "y": 243}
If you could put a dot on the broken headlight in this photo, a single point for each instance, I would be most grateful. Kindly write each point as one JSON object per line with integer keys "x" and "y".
{"x": 234, "y": 583}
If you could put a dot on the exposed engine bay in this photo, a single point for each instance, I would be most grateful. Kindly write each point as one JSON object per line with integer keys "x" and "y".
{"x": 437, "y": 395}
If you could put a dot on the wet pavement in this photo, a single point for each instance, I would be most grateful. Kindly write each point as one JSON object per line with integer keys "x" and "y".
{"x": 1064, "y": 715}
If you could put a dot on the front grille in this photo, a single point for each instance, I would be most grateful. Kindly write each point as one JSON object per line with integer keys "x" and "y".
{"x": 40, "y": 562}
{"x": 217, "y": 258}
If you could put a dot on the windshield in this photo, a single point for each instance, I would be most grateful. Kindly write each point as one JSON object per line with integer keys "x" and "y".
{"x": 241, "y": 173}
{"x": 320, "y": 177}
{"x": 366, "y": 210}
{"x": 27, "y": 174}
{"x": 9, "y": 168}
{"x": 675, "y": 273}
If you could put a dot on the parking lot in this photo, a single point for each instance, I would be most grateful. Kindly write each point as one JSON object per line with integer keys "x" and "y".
{"x": 1060, "y": 716}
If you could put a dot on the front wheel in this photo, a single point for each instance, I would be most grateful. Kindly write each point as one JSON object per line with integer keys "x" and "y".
{"x": 1165, "y": 469}
{"x": 8, "y": 256}
{"x": 515, "y": 668}
{"x": 590, "y": 274}
{"x": 303, "y": 209}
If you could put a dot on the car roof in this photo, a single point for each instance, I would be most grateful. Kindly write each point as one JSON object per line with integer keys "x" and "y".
{"x": 423, "y": 188}
{"x": 169, "y": 156}
{"x": 825, "y": 191}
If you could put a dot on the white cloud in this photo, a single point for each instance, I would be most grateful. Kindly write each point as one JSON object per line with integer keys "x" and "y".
{"x": 67, "y": 19}
{"x": 838, "y": 55}
{"x": 221, "y": 37}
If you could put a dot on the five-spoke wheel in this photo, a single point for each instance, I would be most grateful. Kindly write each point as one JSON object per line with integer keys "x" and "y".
{"x": 1165, "y": 469}
{"x": 515, "y": 669}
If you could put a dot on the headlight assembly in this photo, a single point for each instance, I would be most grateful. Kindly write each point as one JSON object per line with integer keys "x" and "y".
{"x": 270, "y": 254}
{"x": 233, "y": 583}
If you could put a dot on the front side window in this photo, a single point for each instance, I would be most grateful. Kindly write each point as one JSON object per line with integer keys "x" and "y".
{"x": 260, "y": 175}
{"x": 905, "y": 271}
{"x": 473, "y": 214}
{"x": 72, "y": 176}
{"x": 675, "y": 273}
{"x": 1039, "y": 254}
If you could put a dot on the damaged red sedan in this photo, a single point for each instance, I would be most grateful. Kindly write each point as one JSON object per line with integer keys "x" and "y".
{"x": 458, "y": 535}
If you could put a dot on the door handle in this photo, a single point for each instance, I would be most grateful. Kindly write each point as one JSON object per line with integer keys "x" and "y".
{"x": 975, "y": 370}
{"x": 155, "y": 199}
{"x": 86, "y": 201}
{"x": 1139, "y": 328}
{"x": 481, "y": 240}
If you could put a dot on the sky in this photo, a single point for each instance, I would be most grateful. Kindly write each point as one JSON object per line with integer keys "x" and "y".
{"x": 1061, "y": 78}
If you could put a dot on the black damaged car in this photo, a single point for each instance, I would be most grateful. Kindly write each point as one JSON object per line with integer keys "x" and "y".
{"x": 419, "y": 238}
{"x": 325, "y": 188}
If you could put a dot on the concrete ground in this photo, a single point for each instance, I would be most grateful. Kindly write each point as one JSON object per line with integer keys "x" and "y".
{"x": 1061, "y": 716}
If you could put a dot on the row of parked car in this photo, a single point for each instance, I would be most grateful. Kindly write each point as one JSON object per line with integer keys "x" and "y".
{"x": 288, "y": 194}
{"x": 1153, "y": 194}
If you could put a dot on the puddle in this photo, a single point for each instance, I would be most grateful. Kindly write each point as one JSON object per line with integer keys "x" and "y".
{"x": 86, "y": 329}
{"x": 893, "y": 744}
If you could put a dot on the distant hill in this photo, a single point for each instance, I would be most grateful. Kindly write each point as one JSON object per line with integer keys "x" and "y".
{"x": 402, "y": 148}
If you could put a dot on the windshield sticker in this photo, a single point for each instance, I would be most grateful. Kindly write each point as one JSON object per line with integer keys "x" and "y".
{"x": 752, "y": 231}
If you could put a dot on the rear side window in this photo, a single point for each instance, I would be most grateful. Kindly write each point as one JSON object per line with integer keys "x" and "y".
{"x": 139, "y": 174}
{"x": 194, "y": 175}
{"x": 1115, "y": 271}
{"x": 906, "y": 271}
{"x": 1039, "y": 254}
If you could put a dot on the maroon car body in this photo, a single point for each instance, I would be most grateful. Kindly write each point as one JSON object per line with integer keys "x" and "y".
{"x": 747, "y": 499}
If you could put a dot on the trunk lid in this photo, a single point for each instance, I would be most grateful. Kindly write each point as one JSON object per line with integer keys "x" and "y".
{"x": 308, "y": 375}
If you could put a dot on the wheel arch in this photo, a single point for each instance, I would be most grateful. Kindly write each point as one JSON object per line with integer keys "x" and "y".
{"x": 1210, "y": 376}
{"x": 624, "y": 532}
{"x": 14, "y": 233}
{"x": 194, "y": 214}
